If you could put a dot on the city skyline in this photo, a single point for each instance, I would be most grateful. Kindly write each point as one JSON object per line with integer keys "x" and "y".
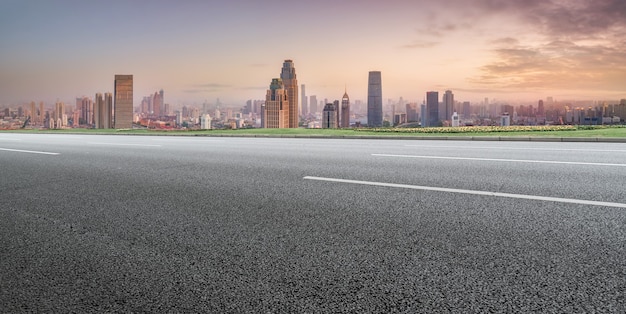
{"x": 201, "y": 51}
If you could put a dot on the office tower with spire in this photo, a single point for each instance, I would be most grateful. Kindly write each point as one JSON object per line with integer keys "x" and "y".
{"x": 432, "y": 109}
{"x": 345, "y": 110}
{"x": 374, "y": 100}
{"x": 276, "y": 109}
{"x": 288, "y": 77}
{"x": 123, "y": 107}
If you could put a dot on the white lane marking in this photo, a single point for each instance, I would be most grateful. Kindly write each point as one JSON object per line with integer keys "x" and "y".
{"x": 505, "y": 160}
{"x": 10, "y": 139}
{"x": 28, "y": 151}
{"x": 474, "y": 192}
{"x": 122, "y": 144}
{"x": 189, "y": 139}
{"x": 525, "y": 148}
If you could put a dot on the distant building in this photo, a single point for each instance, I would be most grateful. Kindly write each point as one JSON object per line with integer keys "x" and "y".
{"x": 345, "y": 111}
{"x": 59, "y": 112}
{"x": 455, "y": 120}
{"x": 411, "y": 112}
{"x": 338, "y": 112}
{"x": 123, "y": 107}
{"x": 505, "y": 120}
{"x": 290, "y": 83}
{"x": 86, "y": 107}
{"x": 276, "y": 109}
{"x": 374, "y": 100}
{"x": 313, "y": 104}
{"x": 103, "y": 111}
{"x": 329, "y": 117}
{"x": 205, "y": 122}
{"x": 305, "y": 101}
{"x": 448, "y": 104}
{"x": 399, "y": 118}
{"x": 432, "y": 109}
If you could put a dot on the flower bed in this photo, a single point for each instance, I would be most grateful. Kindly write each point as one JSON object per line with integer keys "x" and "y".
{"x": 474, "y": 129}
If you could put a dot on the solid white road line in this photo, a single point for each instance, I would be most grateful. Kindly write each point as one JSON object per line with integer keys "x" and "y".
{"x": 122, "y": 144}
{"x": 525, "y": 148}
{"x": 28, "y": 151}
{"x": 485, "y": 193}
{"x": 10, "y": 139}
{"x": 505, "y": 160}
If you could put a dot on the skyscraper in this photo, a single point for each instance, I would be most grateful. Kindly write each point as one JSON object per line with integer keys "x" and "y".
{"x": 305, "y": 104}
{"x": 276, "y": 109}
{"x": 123, "y": 101}
{"x": 329, "y": 117}
{"x": 288, "y": 76}
{"x": 432, "y": 109}
{"x": 374, "y": 100}
{"x": 103, "y": 111}
{"x": 345, "y": 111}
{"x": 448, "y": 104}
{"x": 411, "y": 112}
{"x": 313, "y": 108}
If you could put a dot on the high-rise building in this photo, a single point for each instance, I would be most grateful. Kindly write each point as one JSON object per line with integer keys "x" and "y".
{"x": 41, "y": 113}
{"x": 467, "y": 111}
{"x": 157, "y": 105}
{"x": 540, "y": 108}
{"x": 59, "y": 111}
{"x": 305, "y": 103}
{"x": 411, "y": 112}
{"x": 313, "y": 109}
{"x": 276, "y": 109}
{"x": 85, "y": 105}
{"x": 290, "y": 83}
{"x": 432, "y": 109}
{"x": 374, "y": 100}
{"x": 123, "y": 107}
{"x": 337, "y": 112}
{"x": 329, "y": 117}
{"x": 345, "y": 110}
{"x": 33, "y": 113}
{"x": 103, "y": 111}
{"x": 448, "y": 104}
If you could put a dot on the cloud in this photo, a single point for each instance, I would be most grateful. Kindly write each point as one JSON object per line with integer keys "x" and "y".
{"x": 419, "y": 44}
{"x": 562, "y": 65}
{"x": 212, "y": 85}
{"x": 505, "y": 41}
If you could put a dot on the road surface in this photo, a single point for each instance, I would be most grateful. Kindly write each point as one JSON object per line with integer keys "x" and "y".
{"x": 199, "y": 224}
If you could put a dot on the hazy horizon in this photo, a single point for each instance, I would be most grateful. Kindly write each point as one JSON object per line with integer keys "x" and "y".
{"x": 199, "y": 51}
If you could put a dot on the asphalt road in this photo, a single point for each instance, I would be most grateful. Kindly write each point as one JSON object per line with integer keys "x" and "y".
{"x": 194, "y": 224}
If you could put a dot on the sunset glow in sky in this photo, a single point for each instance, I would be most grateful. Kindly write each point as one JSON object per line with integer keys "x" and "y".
{"x": 203, "y": 50}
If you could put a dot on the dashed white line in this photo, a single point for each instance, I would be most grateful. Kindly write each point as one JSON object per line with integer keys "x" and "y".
{"x": 124, "y": 144}
{"x": 505, "y": 160}
{"x": 473, "y": 192}
{"x": 524, "y": 148}
{"x": 28, "y": 151}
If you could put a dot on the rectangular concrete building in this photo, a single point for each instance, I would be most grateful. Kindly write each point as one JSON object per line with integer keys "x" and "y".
{"x": 123, "y": 110}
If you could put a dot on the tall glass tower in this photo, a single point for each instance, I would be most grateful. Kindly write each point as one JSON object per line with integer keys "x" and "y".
{"x": 374, "y": 100}
{"x": 288, "y": 76}
{"x": 432, "y": 108}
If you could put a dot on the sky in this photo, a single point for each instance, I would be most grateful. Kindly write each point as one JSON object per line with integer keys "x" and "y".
{"x": 199, "y": 51}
